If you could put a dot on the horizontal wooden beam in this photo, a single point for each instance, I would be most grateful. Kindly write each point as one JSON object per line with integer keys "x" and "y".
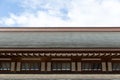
{"x": 60, "y": 49}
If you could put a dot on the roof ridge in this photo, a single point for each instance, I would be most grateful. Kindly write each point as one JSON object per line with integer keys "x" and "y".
{"x": 60, "y": 29}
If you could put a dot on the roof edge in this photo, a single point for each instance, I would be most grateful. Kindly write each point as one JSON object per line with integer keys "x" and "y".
{"x": 60, "y": 49}
{"x": 59, "y": 29}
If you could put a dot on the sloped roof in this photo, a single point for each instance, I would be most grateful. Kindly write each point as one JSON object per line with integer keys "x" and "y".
{"x": 59, "y": 38}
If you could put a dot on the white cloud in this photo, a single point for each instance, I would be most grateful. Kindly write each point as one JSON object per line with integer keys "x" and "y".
{"x": 66, "y": 13}
{"x": 8, "y": 21}
{"x": 91, "y": 13}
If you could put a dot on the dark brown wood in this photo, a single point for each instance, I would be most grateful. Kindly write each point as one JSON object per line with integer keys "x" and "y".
{"x": 105, "y": 55}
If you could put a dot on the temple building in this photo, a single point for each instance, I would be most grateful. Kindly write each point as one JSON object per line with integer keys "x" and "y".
{"x": 60, "y": 50}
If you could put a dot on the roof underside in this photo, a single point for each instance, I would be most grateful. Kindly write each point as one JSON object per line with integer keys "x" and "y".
{"x": 60, "y": 39}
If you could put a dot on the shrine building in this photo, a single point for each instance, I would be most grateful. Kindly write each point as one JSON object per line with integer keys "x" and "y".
{"x": 60, "y": 50}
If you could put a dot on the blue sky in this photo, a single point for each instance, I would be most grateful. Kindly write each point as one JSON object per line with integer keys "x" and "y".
{"x": 59, "y": 13}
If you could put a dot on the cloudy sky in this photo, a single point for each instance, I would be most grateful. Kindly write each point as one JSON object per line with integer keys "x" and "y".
{"x": 59, "y": 13}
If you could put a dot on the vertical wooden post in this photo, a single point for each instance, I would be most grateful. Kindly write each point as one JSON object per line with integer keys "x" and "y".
{"x": 12, "y": 66}
{"x": 109, "y": 66}
{"x": 73, "y": 66}
{"x": 42, "y": 66}
{"x": 48, "y": 66}
{"x": 18, "y": 67}
{"x": 103, "y": 66}
{"x": 78, "y": 66}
